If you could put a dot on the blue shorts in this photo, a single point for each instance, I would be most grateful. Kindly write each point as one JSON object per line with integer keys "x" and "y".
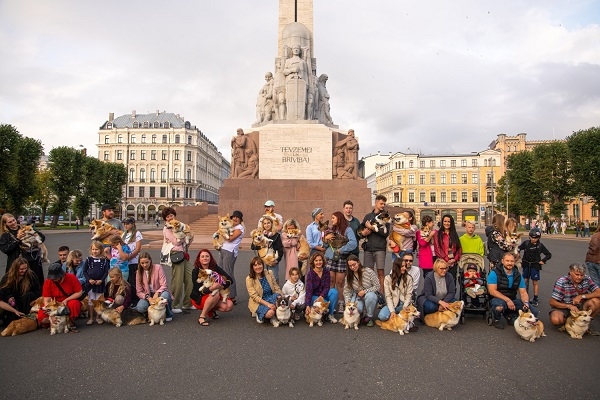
{"x": 532, "y": 273}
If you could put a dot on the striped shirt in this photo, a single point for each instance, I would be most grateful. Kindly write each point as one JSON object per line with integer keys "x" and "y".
{"x": 565, "y": 290}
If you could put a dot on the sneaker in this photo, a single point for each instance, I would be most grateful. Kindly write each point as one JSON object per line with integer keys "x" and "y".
{"x": 169, "y": 319}
{"x": 499, "y": 324}
{"x": 177, "y": 311}
{"x": 370, "y": 323}
{"x": 592, "y": 333}
{"x": 340, "y": 309}
{"x": 189, "y": 308}
{"x": 534, "y": 302}
{"x": 260, "y": 321}
{"x": 331, "y": 319}
{"x": 99, "y": 321}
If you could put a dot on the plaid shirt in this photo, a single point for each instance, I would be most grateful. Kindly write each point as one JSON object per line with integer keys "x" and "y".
{"x": 316, "y": 286}
{"x": 565, "y": 290}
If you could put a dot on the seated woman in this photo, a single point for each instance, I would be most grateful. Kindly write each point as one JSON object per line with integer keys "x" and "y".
{"x": 150, "y": 281}
{"x": 18, "y": 288}
{"x": 438, "y": 290}
{"x": 203, "y": 298}
{"x": 262, "y": 289}
{"x": 362, "y": 285}
{"x": 398, "y": 288}
{"x": 318, "y": 283}
{"x": 64, "y": 288}
{"x": 118, "y": 290}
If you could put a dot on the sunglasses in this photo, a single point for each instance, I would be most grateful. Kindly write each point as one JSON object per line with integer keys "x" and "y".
{"x": 407, "y": 261}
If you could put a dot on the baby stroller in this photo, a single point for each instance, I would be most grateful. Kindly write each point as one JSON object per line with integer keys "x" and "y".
{"x": 473, "y": 291}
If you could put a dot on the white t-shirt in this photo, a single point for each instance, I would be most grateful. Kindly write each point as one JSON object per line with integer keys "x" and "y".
{"x": 127, "y": 240}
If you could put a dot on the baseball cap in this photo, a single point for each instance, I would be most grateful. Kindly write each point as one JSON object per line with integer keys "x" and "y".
{"x": 107, "y": 207}
{"x": 269, "y": 203}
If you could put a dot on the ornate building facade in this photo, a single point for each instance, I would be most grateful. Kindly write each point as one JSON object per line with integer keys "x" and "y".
{"x": 169, "y": 162}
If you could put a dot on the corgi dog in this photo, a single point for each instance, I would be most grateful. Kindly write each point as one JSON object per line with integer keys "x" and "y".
{"x": 292, "y": 232}
{"x": 283, "y": 314}
{"x": 32, "y": 241}
{"x": 85, "y": 311}
{"x": 337, "y": 241}
{"x": 577, "y": 323}
{"x": 103, "y": 231}
{"x": 380, "y": 222}
{"x": 208, "y": 277}
{"x": 304, "y": 251}
{"x": 58, "y": 314}
{"x": 27, "y": 323}
{"x": 106, "y": 311}
{"x": 318, "y": 309}
{"x": 157, "y": 312}
{"x": 400, "y": 322}
{"x": 180, "y": 230}
{"x": 400, "y": 221}
{"x": 265, "y": 251}
{"x": 528, "y": 326}
{"x": 446, "y": 319}
{"x": 224, "y": 231}
{"x": 351, "y": 316}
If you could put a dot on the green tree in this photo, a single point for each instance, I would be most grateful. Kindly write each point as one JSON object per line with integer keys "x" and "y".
{"x": 92, "y": 181}
{"x": 525, "y": 193}
{"x": 19, "y": 159}
{"x": 584, "y": 148}
{"x": 66, "y": 166}
{"x": 552, "y": 169}
{"x": 111, "y": 188}
{"x": 43, "y": 195}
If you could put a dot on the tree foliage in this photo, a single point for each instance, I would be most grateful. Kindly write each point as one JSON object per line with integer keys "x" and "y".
{"x": 525, "y": 193}
{"x": 584, "y": 147}
{"x": 66, "y": 167}
{"x": 43, "y": 195}
{"x": 90, "y": 188}
{"x": 111, "y": 186}
{"x": 552, "y": 169}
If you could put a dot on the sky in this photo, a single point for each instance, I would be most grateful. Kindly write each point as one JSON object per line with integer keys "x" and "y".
{"x": 434, "y": 77}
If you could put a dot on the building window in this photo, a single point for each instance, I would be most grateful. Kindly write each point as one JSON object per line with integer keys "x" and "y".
{"x": 146, "y": 124}
{"x": 120, "y": 139}
{"x": 131, "y": 191}
{"x": 474, "y": 178}
{"x": 188, "y": 176}
{"x": 443, "y": 179}
{"x": 452, "y": 179}
{"x": 474, "y": 162}
{"x": 164, "y": 138}
{"x": 432, "y": 179}
{"x": 189, "y": 140}
{"x": 463, "y": 163}
{"x": 142, "y": 154}
{"x": 106, "y": 139}
{"x": 109, "y": 126}
{"x": 422, "y": 197}
{"x": 143, "y": 138}
{"x": 411, "y": 179}
{"x": 595, "y": 212}
{"x": 485, "y": 162}
{"x": 463, "y": 178}
{"x": 464, "y": 197}
{"x": 432, "y": 163}
{"x": 106, "y": 155}
{"x": 153, "y": 138}
{"x": 152, "y": 191}
{"x": 164, "y": 155}
{"x": 475, "y": 197}
{"x": 453, "y": 197}
{"x": 163, "y": 192}
{"x": 443, "y": 197}
{"x": 152, "y": 175}
{"x": 398, "y": 179}
{"x": 132, "y": 138}
{"x": 453, "y": 163}
{"x": 397, "y": 197}
{"x": 177, "y": 139}
{"x": 489, "y": 197}
{"x": 176, "y": 155}
{"x": 411, "y": 197}
{"x": 119, "y": 154}
{"x": 422, "y": 179}
{"x": 136, "y": 124}
{"x": 157, "y": 124}
{"x": 432, "y": 197}
{"x": 189, "y": 156}
{"x": 411, "y": 164}
{"x": 442, "y": 163}
{"x": 153, "y": 154}
{"x": 176, "y": 175}
{"x": 142, "y": 175}
{"x": 132, "y": 155}
{"x": 167, "y": 125}
{"x": 131, "y": 175}
{"x": 142, "y": 191}
{"x": 163, "y": 176}
{"x": 422, "y": 164}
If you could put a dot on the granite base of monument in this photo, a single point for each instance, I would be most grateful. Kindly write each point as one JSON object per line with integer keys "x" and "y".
{"x": 294, "y": 198}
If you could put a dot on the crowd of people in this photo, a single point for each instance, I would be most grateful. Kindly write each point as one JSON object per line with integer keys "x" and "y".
{"x": 116, "y": 267}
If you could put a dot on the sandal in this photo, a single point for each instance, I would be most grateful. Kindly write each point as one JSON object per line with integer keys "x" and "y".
{"x": 73, "y": 328}
{"x": 215, "y": 315}
{"x": 204, "y": 321}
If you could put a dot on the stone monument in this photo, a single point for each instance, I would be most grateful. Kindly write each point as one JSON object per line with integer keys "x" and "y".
{"x": 294, "y": 154}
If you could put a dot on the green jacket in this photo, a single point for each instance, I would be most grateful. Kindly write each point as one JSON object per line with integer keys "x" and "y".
{"x": 472, "y": 244}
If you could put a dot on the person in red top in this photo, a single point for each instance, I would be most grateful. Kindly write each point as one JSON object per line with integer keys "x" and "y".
{"x": 66, "y": 289}
{"x": 446, "y": 244}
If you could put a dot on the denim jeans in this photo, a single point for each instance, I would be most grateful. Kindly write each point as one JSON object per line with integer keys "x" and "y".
{"x": 594, "y": 272}
{"x": 143, "y": 304}
{"x": 369, "y": 302}
{"x": 332, "y": 298}
{"x": 384, "y": 314}
{"x": 275, "y": 270}
{"x": 496, "y": 302}
{"x": 431, "y": 307}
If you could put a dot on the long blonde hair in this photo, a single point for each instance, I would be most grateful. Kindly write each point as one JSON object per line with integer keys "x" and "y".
{"x": 122, "y": 283}
{"x": 73, "y": 254}
{"x": 5, "y": 217}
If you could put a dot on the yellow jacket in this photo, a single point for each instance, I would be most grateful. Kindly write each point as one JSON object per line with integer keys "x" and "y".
{"x": 255, "y": 290}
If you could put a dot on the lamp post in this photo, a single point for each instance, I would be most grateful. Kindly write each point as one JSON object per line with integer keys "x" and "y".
{"x": 492, "y": 184}
{"x": 507, "y": 193}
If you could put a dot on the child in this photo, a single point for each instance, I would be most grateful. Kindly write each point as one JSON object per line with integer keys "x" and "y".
{"x": 118, "y": 289}
{"x": 294, "y": 288}
{"x": 270, "y": 232}
{"x": 95, "y": 272}
{"x": 425, "y": 241}
{"x": 290, "y": 239}
{"x": 532, "y": 261}
{"x": 119, "y": 255}
{"x": 473, "y": 284}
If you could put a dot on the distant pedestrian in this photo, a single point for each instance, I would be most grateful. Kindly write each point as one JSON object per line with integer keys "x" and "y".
{"x": 586, "y": 228}
{"x": 563, "y": 227}
{"x": 77, "y": 224}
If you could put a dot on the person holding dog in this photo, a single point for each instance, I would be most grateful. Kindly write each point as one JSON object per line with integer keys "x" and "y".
{"x": 398, "y": 288}
{"x": 446, "y": 244}
{"x": 376, "y": 243}
{"x": 263, "y": 291}
{"x": 314, "y": 236}
{"x": 151, "y": 281}
{"x": 275, "y": 243}
{"x": 361, "y": 287}
{"x": 318, "y": 283}
{"x": 503, "y": 284}
{"x": 133, "y": 238}
{"x": 203, "y": 299}
{"x": 64, "y": 288}
{"x": 438, "y": 289}
{"x": 18, "y": 288}
{"x": 337, "y": 257}
{"x": 229, "y": 251}
{"x": 118, "y": 289}
{"x": 573, "y": 292}
{"x": 270, "y": 210}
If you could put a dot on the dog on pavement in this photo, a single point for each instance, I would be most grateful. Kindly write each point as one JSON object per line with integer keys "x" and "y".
{"x": 351, "y": 317}
{"x": 283, "y": 314}
{"x": 157, "y": 312}
{"x": 318, "y": 309}
{"x": 446, "y": 319}
{"x": 109, "y": 314}
{"x": 528, "y": 326}
{"x": 400, "y": 322}
{"x": 58, "y": 314}
{"x": 577, "y": 323}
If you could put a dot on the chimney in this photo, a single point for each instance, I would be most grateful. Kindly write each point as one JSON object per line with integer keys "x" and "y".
{"x": 111, "y": 117}
{"x": 133, "y": 114}
{"x": 157, "y": 112}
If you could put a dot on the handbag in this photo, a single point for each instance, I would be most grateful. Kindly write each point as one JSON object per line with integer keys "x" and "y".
{"x": 177, "y": 256}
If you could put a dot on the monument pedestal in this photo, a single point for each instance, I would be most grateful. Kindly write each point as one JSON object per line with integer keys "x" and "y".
{"x": 294, "y": 198}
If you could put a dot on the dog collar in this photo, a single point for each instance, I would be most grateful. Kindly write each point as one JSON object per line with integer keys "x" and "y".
{"x": 525, "y": 327}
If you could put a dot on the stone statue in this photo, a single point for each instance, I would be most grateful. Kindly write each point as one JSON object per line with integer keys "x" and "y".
{"x": 340, "y": 168}
{"x": 240, "y": 144}
{"x": 349, "y": 145}
{"x": 264, "y": 102}
{"x": 296, "y": 71}
{"x": 279, "y": 92}
{"x": 324, "y": 116}
{"x": 250, "y": 170}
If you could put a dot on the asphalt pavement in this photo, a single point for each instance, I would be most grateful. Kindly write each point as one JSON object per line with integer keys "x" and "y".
{"x": 239, "y": 359}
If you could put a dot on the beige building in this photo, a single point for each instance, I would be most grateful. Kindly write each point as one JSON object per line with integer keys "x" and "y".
{"x": 168, "y": 161}
{"x": 461, "y": 185}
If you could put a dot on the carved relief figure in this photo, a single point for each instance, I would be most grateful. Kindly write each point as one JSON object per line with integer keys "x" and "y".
{"x": 251, "y": 168}
{"x": 264, "y": 102}
{"x": 240, "y": 144}
{"x": 349, "y": 145}
{"x": 324, "y": 116}
{"x": 279, "y": 92}
{"x": 339, "y": 165}
{"x": 296, "y": 71}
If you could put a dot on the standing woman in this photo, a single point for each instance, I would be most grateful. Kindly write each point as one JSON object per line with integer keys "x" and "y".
{"x": 425, "y": 239}
{"x": 263, "y": 291}
{"x": 229, "y": 251}
{"x": 362, "y": 286}
{"x": 133, "y": 238}
{"x": 10, "y": 242}
{"x": 290, "y": 239}
{"x": 496, "y": 242}
{"x": 203, "y": 298}
{"x": 19, "y": 287}
{"x": 446, "y": 244}
{"x": 592, "y": 257}
{"x": 337, "y": 258}
{"x": 398, "y": 287}
{"x": 318, "y": 283}
{"x": 270, "y": 231}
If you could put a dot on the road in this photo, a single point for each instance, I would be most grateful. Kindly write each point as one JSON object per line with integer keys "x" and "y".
{"x": 237, "y": 358}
